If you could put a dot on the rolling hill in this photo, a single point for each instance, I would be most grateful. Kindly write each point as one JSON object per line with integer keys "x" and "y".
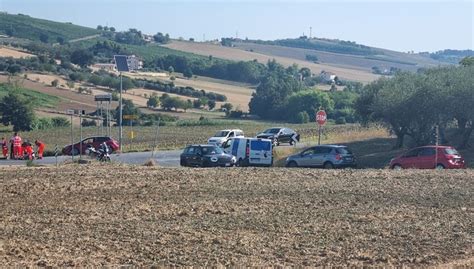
{"x": 24, "y": 26}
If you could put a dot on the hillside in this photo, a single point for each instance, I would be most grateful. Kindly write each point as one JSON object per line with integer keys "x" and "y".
{"x": 206, "y": 49}
{"x": 24, "y": 26}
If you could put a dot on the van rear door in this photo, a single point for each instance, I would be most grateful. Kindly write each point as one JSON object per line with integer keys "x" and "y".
{"x": 260, "y": 152}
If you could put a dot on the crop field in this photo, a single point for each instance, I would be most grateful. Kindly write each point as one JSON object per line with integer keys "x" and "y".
{"x": 141, "y": 216}
{"x": 14, "y": 53}
{"x": 218, "y": 51}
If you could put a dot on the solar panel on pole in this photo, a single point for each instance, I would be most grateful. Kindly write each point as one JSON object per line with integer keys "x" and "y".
{"x": 121, "y": 63}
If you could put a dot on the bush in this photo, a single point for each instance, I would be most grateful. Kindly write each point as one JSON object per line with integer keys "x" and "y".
{"x": 236, "y": 114}
{"x": 302, "y": 117}
{"x": 60, "y": 122}
{"x": 86, "y": 123}
{"x": 42, "y": 124}
{"x": 341, "y": 120}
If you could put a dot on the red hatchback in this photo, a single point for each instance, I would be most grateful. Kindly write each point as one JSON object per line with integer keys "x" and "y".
{"x": 425, "y": 158}
{"x": 94, "y": 141}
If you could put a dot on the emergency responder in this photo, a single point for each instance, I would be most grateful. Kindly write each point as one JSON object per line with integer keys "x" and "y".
{"x": 40, "y": 148}
{"x": 27, "y": 150}
{"x": 16, "y": 145}
{"x": 4, "y": 147}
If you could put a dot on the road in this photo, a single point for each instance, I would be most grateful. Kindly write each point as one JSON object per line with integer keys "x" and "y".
{"x": 168, "y": 158}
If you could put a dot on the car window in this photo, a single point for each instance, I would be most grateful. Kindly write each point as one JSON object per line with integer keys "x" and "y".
{"x": 343, "y": 151}
{"x": 189, "y": 150}
{"x": 412, "y": 153}
{"x": 197, "y": 150}
{"x": 221, "y": 134}
{"x": 100, "y": 139}
{"x": 288, "y": 131}
{"x": 239, "y": 133}
{"x": 227, "y": 143}
{"x": 231, "y": 134}
{"x": 210, "y": 150}
{"x": 451, "y": 151}
{"x": 308, "y": 152}
{"x": 427, "y": 152}
{"x": 260, "y": 145}
{"x": 322, "y": 150}
{"x": 272, "y": 131}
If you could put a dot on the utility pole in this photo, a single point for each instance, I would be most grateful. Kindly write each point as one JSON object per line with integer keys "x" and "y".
{"x": 120, "y": 114}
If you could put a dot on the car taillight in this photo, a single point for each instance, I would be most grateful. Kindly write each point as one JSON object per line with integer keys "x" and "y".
{"x": 338, "y": 157}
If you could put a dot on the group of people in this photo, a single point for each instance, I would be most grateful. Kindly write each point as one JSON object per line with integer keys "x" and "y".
{"x": 21, "y": 150}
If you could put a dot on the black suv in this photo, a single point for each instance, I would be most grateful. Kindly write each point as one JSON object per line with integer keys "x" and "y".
{"x": 205, "y": 156}
{"x": 280, "y": 135}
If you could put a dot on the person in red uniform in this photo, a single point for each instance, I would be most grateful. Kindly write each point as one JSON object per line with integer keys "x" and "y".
{"x": 4, "y": 147}
{"x": 40, "y": 145}
{"x": 28, "y": 150}
{"x": 16, "y": 142}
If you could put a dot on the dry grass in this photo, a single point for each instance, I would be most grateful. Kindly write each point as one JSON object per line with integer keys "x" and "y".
{"x": 109, "y": 215}
{"x": 14, "y": 53}
{"x": 218, "y": 51}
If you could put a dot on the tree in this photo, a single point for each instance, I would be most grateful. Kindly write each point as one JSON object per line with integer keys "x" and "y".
{"x": 14, "y": 69}
{"x": 44, "y": 37}
{"x": 153, "y": 101}
{"x": 227, "y": 107}
{"x": 171, "y": 69}
{"x": 305, "y": 72}
{"x": 82, "y": 57}
{"x": 60, "y": 40}
{"x": 55, "y": 83}
{"x": 188, "y": 73}
{"x": 467, "y": 61}
{"x": 100, "y": 28}
{"x": 112, "y": 29}
{"x": 308, "y": 101}
{"x": 162, "y": 39}
{"x": 128, "y": 109}
{"x": 211, "y": 104}
{"x": 16, "y": 110}
{"x": 187, "y": 105}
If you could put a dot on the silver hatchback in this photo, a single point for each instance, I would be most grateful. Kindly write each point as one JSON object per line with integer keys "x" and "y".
{"x": 325, "y": 156}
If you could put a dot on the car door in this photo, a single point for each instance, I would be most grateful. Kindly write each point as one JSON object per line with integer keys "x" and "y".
{"x": 307, "y": 158}
{"x": 320, "y": 156}
{"x": 426, "y": 158}
{"x": 285, "y": 137}
{"x": 409, "y": 159}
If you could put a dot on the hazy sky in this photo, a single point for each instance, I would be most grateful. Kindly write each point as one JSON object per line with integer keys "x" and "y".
{"x": 399, "y": 25}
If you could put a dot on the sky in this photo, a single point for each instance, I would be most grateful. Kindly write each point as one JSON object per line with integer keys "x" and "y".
{"x": 402, "y": 25}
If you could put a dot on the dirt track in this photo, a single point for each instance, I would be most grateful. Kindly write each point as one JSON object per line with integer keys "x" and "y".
{"x": 143, "y": 216}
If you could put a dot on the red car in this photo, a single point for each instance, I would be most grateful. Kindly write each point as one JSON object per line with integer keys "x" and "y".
{"x": 425, "y": 158}
{"x": 94, "y": 141}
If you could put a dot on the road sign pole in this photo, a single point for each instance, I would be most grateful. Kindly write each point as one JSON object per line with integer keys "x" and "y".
{"x": 120, "y": 114}
{"x": 437, "y": 144}
{"x": 80, "y": 127}
{"x": 319, "y": 135}
{"x": 156, "y": 138}
{"x": 131, "y": 134}
{"x": 72, "y": 141}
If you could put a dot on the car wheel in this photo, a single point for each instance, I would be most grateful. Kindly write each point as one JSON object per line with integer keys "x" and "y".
{"x": 291, "y": 142}
{"x": 292, "y": 164}
{"x": 328, "y": 165}
{"x": 439, "y": 167}
{"x": 397, "y": 167}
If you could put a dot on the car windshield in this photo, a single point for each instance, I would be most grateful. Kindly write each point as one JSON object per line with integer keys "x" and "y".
{"x": 343, "y": 151}
{"x": 221, "y": 134}
{"x": 451, "y": 151}
{"x": 211, "y": 150}
{"x": 272, "y": 131}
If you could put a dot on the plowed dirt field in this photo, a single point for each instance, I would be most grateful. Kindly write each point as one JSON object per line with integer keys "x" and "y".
{"x": 128, "y": 215}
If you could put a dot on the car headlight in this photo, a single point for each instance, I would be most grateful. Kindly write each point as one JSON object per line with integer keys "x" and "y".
{"x": 233, "y": 159}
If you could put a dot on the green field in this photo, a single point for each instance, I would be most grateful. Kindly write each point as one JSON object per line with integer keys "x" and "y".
{"x": 37, "y": 99}
{"x": 24, "y": 26}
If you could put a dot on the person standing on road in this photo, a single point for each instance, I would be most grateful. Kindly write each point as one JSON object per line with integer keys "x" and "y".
{"x": 4, "y": 147}
{"x": 16, "y": 145}
{"x": 40, "y": 148}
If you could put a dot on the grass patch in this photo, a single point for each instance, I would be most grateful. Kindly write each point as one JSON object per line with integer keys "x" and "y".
{"x": 37, "y": 99}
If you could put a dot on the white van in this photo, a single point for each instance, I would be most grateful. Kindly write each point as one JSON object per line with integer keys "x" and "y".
{"x": 250, "y": 151}
{"x": 223, "y": 135}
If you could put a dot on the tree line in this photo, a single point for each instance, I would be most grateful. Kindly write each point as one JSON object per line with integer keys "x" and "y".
{"x": 412, "y": 104}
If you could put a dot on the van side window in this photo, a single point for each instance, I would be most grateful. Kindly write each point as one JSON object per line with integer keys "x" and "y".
{"x": 231, "y": 134}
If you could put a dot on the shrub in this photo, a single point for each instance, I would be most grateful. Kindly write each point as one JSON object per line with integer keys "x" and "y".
{"x": 236, "y": 114}
{"x": 341, "y": 120}
{"x": 60, "y": 122}
{"x": 302, "y": 117}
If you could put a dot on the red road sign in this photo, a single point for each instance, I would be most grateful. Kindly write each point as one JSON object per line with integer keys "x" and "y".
{"x": 321, "y": 117}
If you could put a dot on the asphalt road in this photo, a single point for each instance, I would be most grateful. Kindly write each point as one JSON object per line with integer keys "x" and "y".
{"x": 163, "y": 158}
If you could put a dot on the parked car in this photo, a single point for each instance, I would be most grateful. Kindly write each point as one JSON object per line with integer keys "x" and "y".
{"x": 250, "y": 151}
{"x": 280, "y": 135}
{"x": 206, "y": 156}
{"x": 223, "y": 135}
{"x": 94, "y": 141}
{"x": 325, "y": 156}
{"x": 425, "y": 158}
